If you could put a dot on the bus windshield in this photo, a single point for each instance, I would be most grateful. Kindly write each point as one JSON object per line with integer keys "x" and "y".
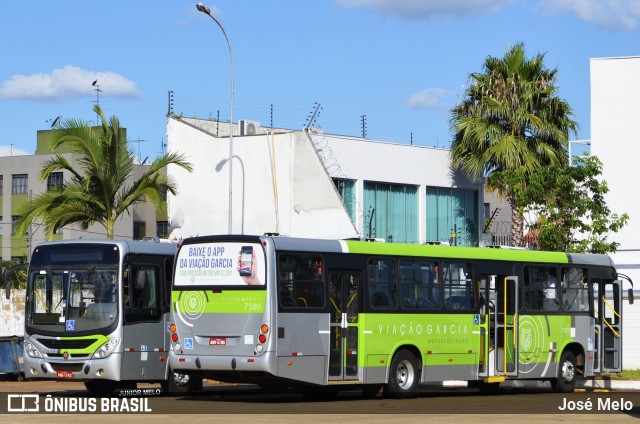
{"x": 72, "y": 293}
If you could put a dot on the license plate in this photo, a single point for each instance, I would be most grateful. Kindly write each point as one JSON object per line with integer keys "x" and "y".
{"x": 217, "y": 341}
{"x": 64, "y": 374}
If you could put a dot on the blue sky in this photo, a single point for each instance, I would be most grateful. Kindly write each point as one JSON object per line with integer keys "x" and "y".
{"x": 402, "y": 63}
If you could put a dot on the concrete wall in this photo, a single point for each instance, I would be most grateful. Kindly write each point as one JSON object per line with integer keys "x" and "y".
{"x": 615, "y": 110}
{"x": 279, "y": 185}
{"x": 12, "y": 313}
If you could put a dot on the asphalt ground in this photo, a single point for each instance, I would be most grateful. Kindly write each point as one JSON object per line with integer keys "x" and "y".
{"x": 246, "y": 397}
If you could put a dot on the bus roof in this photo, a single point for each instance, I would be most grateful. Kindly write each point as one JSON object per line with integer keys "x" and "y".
{"x": 137, "y": 246}
{"x": 416, "y": 250}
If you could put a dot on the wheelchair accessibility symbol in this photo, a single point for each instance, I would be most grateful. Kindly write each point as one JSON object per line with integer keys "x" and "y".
{"x": 476, "y": 319}
{"x": 188, "y": 343}
{"x": 71, "y": 325}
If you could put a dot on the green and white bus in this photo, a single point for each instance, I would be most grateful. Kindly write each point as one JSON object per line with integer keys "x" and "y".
{"x": 332, "y": 314}
{"x": 97, "y": 311}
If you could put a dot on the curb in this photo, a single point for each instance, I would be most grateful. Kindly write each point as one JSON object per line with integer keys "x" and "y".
{"x": 586, "y": 384}
{"x": 608, "y": 384}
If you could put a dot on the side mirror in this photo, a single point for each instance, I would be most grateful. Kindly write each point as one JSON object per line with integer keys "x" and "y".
{"x": 629, "y": 295}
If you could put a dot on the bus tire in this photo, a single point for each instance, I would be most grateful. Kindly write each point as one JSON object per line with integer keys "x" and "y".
{"x": 566, "y": 380}
{"x": 177, "y": 383}
{"x": 403, "y": 375}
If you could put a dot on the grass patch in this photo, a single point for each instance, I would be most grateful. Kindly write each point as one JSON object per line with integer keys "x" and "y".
{"x": 624, "y": 375}
{"x": 628, "y": 375}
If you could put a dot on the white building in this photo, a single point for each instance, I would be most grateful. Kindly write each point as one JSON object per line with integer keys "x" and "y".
{"x": 310, "y": 184}
{"x": 615, "y": 111}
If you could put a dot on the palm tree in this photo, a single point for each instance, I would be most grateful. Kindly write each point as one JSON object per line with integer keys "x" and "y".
{"x": 99, "y": 190}
{"x": 511, "y": 119}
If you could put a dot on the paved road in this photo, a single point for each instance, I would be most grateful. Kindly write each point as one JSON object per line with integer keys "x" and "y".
{"x": 251, "y": 404}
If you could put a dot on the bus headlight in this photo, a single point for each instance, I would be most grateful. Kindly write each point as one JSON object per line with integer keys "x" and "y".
{"x": 107, "y": 348}
{"x": 32, "y": 351}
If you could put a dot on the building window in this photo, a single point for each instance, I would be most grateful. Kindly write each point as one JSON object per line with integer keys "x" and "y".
{"x": 391, "y": 212}
{"x": 54, "y": 180}
{"x": 139, "y": 230}
{"x": 452, "y": 216}
{"x": 347, "y": 191}
{"x": 1, "y": 184}
{"x": 162, "y": 229}
{"x": 19, "y": 184}
{"x": 1, "y": 225}
{"x": 14, "y": 218}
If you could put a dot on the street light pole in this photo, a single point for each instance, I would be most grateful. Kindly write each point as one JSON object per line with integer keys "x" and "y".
{"x": 204, "y": 9}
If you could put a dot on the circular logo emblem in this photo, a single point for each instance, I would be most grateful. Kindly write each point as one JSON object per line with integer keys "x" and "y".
{"x": 65, "y": 355}
{"x": 192, "y": 305}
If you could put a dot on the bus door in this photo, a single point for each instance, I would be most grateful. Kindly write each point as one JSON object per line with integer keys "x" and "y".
{"x": 344, "y": 289}
{"x": 144, "y": 320}
{"x": 506, "y": 340}
{"x": 487, "y": 319}
{"x": 609, "y": 326}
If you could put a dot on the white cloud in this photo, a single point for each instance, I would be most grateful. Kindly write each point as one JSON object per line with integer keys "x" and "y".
{"x": 429, "y": 9}
{"x": 13, "y": 151}
{"x": 431, "y": 98}
{"x": 612, "y": 14}
{"x": 67, "y": 82}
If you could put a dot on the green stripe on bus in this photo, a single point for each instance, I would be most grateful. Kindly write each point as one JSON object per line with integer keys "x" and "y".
{"x": 195, "y": 302}
{"x": 450, "y": 252}
{"x": 89, "y": 350}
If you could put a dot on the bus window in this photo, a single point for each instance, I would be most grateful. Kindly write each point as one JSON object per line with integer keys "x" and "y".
{"x": 419, "y": 288}
{"x": 300, "y": 281}
{"x": 540, "y": 289}
{"x": 142, "y": 298}
{"x": 458, "y": 287}
{"x": 575, "y": 291}
{"x": 382, "y": 284}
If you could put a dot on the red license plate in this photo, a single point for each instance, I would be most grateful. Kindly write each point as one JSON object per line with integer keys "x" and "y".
{"x": 217, "y": 341}
{"x": 64, "y": 374}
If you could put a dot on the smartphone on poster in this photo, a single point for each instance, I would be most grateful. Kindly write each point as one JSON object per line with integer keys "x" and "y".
{"x": 246, "y": 260}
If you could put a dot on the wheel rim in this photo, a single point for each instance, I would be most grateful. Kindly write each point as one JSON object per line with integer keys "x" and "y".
{"x": 181, "y": 379}
{"x": 405, "y": 375}
{"x": 568, "y": 372}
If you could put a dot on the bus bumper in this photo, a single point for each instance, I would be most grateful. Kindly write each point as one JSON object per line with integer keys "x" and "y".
{"x": 203, "y": 363}
{"x": 69, "y": 370}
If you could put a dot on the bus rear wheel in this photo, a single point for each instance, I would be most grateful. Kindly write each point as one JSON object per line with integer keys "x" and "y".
{"x": 403, "y": 375}
{"x": 178, "y": 383}
{"x": 566, "y": 380}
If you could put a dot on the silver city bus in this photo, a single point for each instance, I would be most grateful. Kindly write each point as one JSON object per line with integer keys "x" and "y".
{"x": 97, "y": 311}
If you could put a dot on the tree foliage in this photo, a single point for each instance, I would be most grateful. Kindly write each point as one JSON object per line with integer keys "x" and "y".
{"x": 511, "y": 119}
{"x": 101, "y": 188}
{"x": 568, "y": 206}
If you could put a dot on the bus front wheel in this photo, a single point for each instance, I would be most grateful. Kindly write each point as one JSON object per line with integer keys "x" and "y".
{"x": 403, "y": 375}
{"x": 566, "y": 380}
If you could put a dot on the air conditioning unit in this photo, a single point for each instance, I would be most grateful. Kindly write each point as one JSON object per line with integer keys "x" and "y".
{"x": 249, "y": 127}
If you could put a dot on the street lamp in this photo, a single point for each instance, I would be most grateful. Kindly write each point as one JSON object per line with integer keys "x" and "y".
{"x": 219, "y": 167}
{"x": 204, "y": 9}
